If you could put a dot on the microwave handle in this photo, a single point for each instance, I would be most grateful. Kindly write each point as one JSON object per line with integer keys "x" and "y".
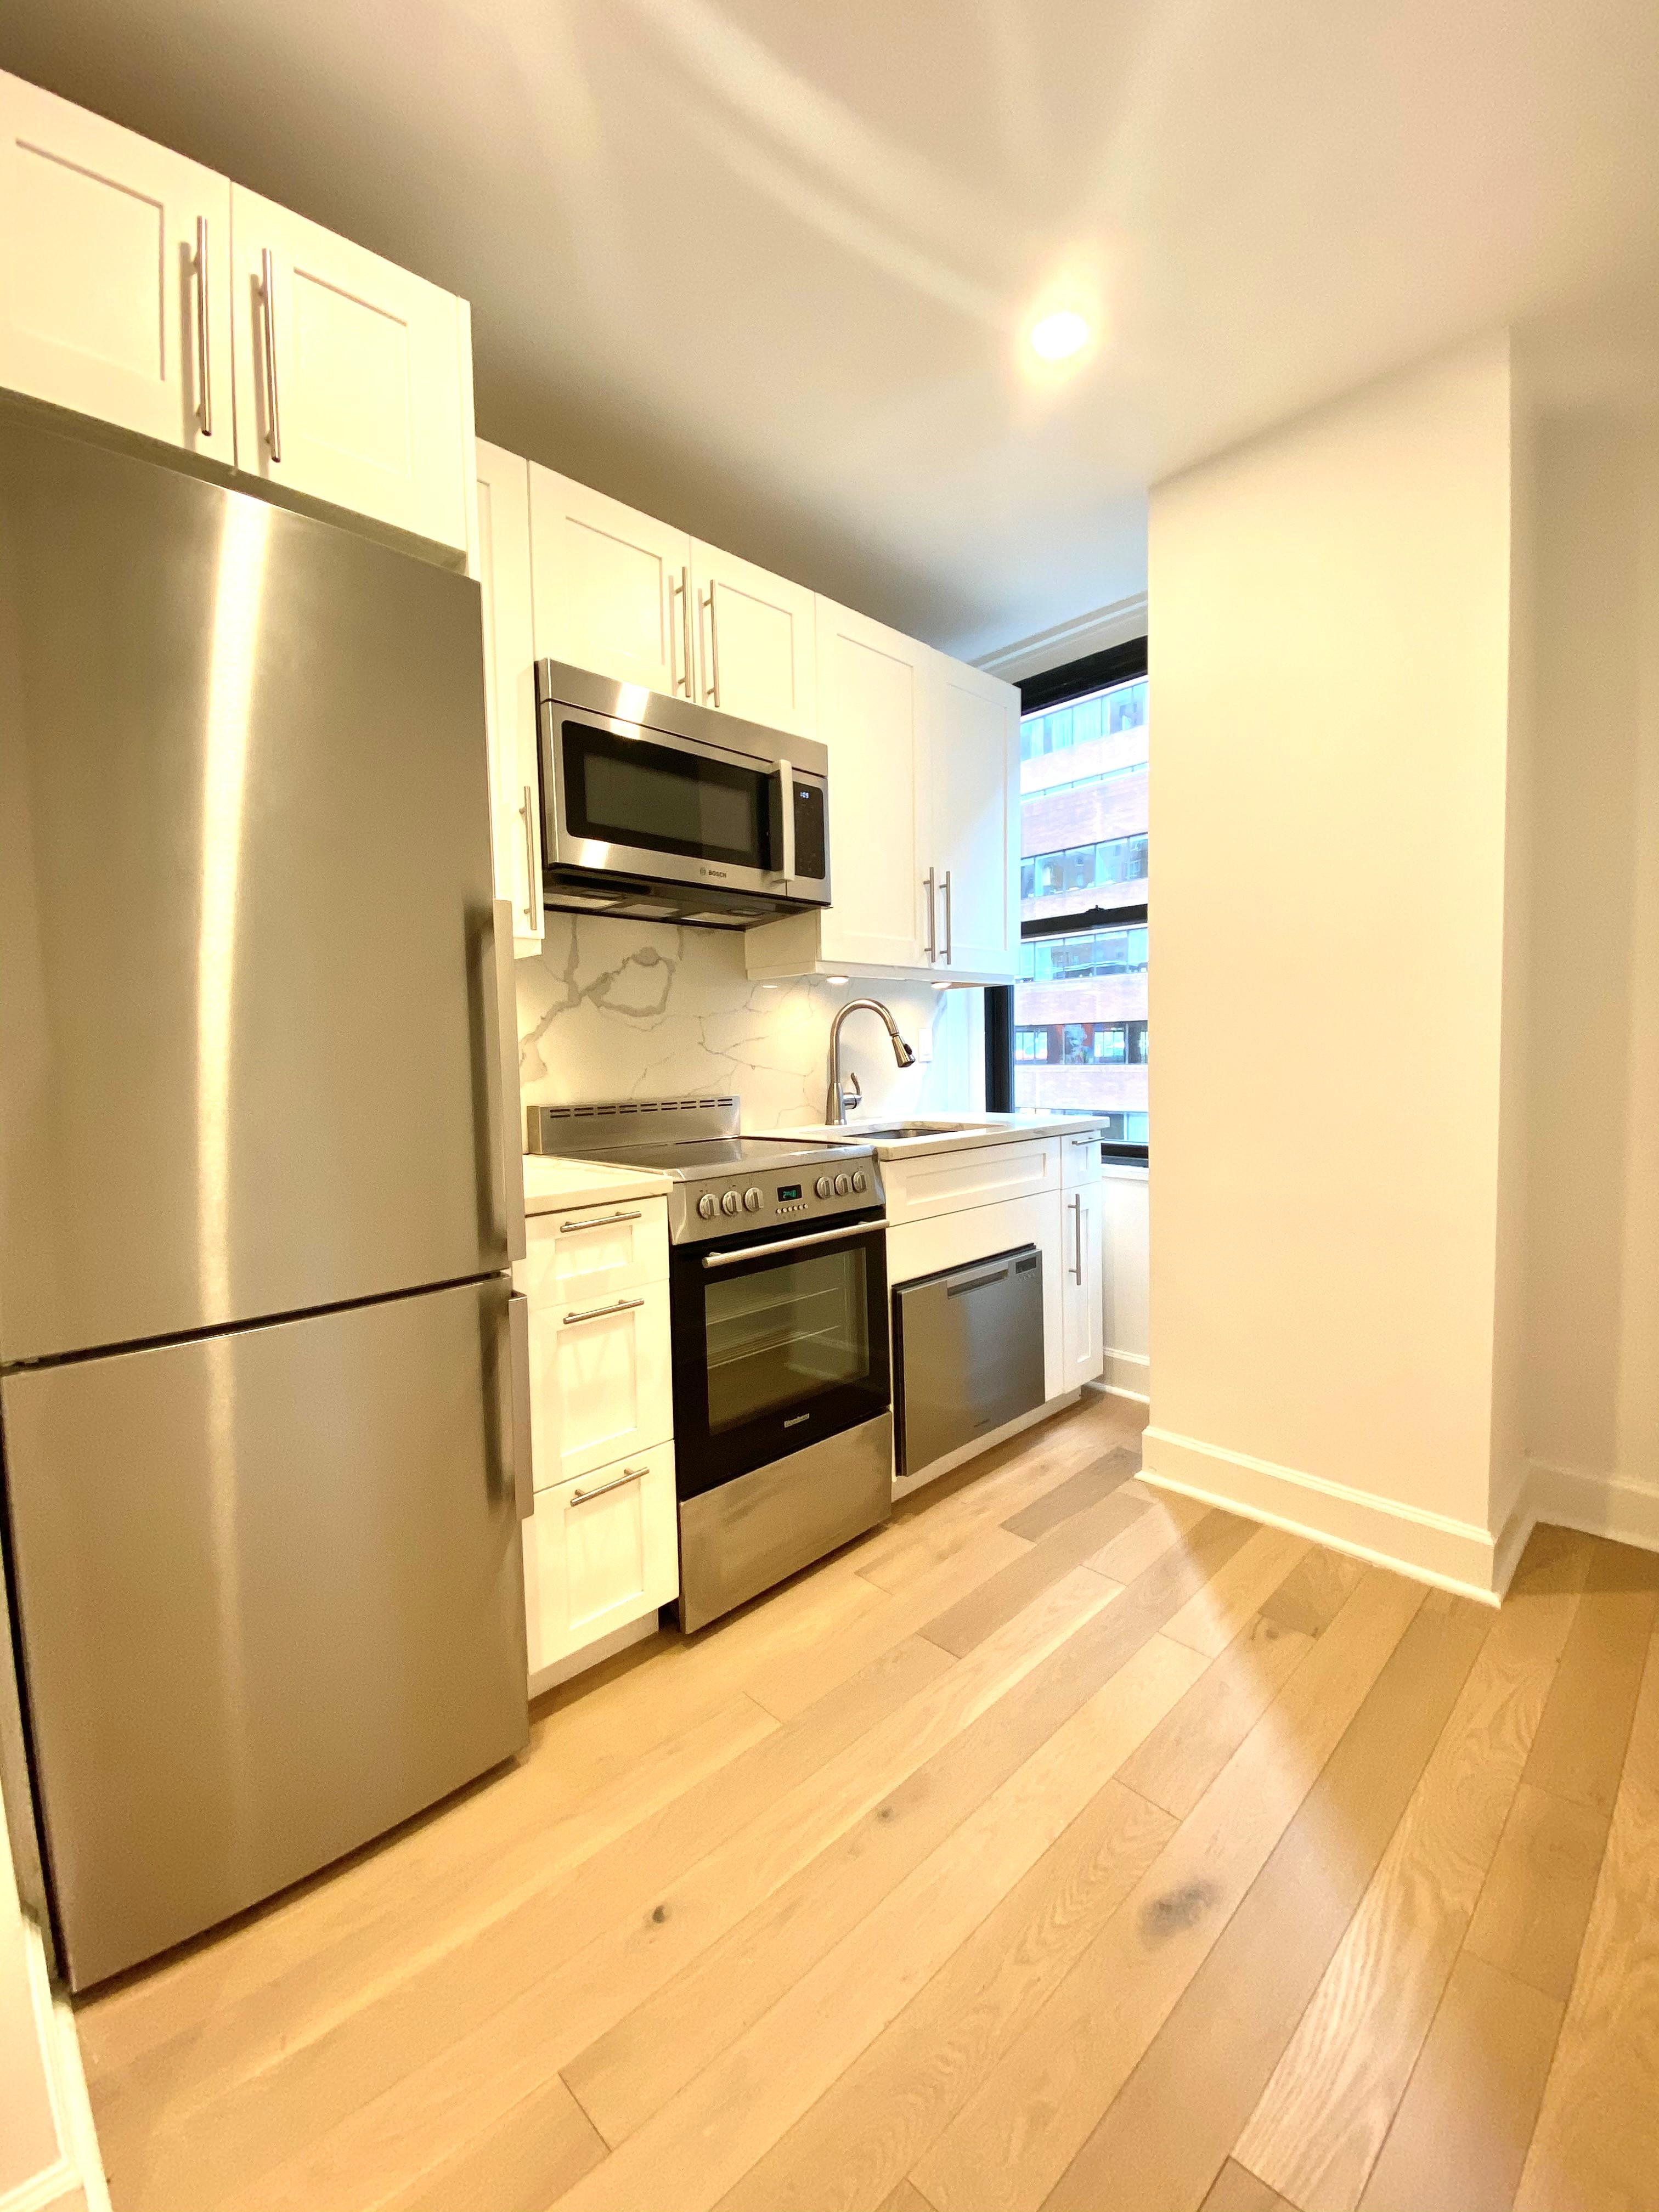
{"x": 787, "y": 804}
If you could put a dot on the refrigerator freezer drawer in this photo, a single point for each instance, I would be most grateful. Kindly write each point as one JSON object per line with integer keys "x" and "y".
{"x": 968, "y": 1347}
{"x": 272, "y": 1603}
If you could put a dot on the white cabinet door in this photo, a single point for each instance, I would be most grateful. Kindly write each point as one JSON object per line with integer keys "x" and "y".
{"x": 105, "y": 305}
{"x": 510, "y": 687}
{"x": 613, "y": 588}
{"x": 1084, "y": 1287}
{"x": 756, "y": 643}
{"x": 974, "y": 848}
{"x": 348, "y": 379}
{"x": 600, "y": 1383}
{"x": 600, "y": 1553}
{"x": 872, "y": 706}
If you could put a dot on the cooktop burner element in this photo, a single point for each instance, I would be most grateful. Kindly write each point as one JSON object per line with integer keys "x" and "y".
{"x": 726, "y": 1182}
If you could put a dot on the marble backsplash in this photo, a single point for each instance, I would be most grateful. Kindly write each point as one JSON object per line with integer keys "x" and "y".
{"x": 644, "y": 1010}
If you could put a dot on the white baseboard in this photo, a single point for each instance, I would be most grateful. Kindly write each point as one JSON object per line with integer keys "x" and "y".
{"x": 1454, "y": 1555}
{"x": 1129, "y": 1375}
{"x": 1599, "y": 1504}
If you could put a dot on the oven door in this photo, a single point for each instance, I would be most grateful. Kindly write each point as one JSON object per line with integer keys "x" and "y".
{"x": 779, "y": 1342}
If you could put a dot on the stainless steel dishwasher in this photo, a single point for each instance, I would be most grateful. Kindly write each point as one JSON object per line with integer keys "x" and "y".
{"x": 967, "y": 1353}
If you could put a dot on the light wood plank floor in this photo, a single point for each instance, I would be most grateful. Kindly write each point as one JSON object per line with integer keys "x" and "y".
{"x": 1060, "y": 1845}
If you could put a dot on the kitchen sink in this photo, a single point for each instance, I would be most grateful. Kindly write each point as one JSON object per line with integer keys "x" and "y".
{"x": 890, "y": 1131}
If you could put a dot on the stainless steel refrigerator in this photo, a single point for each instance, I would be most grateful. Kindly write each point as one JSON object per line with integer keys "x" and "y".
{"x": 259, "y": 1186}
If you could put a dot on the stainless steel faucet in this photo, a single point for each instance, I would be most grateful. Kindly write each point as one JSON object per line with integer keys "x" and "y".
{"x": 842, "y": 1102}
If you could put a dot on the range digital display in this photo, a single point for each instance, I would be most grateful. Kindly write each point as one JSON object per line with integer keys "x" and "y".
{"x": 786, "y": 1192}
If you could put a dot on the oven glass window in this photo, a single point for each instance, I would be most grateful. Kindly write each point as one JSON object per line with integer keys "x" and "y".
{"x": 779, "y": 1336}
{"x": 626, "y": 791}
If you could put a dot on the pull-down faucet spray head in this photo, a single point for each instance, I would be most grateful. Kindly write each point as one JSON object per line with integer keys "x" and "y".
{"x": 841, "y": 1102}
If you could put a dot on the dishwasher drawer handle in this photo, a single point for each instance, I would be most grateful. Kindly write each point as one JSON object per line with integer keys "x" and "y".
{"x": 628, "y": 1474}
{"x": 600, "y": 1221}
{"x": 598, "y": 1313}
{"x": 957, "y": 1290}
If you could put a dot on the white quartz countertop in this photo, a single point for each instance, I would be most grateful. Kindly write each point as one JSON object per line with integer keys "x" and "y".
{"x": 942, "y": 1132}
{"x": 551, "y": 1186}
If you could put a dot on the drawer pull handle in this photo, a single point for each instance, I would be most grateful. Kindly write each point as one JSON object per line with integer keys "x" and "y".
{"x": 600, "y": 1221}
{"x": 598, "y": 1313}
{"x": 628, "y": 1474}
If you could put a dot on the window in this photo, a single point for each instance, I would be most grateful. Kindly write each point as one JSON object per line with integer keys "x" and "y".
{"x": 1071, "y": 1036}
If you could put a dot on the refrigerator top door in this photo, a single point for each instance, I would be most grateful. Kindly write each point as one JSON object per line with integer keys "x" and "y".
{"x": 247, "y": 1060}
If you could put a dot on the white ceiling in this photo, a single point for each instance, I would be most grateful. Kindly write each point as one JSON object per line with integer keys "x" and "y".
{"x": 761, "y": 266}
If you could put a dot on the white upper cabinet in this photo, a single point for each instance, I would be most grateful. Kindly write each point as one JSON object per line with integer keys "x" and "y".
{"x": 973, "y": 852}
{"x": 510, "y": 686}
{"x": 114, "y": 274}
{"x": 872, "y": 698}
{"x": 756, "y": 643}
{"x": 613, "y": 588}
{"x": 349, "y": 375}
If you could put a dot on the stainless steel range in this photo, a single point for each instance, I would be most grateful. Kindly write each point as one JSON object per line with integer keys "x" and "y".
{"x": 778, "y": 1302}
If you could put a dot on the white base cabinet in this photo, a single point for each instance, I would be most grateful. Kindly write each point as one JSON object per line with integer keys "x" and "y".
{"x": 600, "y": 1553}
{"x": 602, "y": 1548}
{"x": 1083, "y": 1287}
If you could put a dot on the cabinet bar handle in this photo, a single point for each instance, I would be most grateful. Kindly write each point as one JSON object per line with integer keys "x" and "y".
{"x": 599, "y": 1221}
{"x": 1077, "y": 1206}
{"x": 532, "y": 903}
{"x": 950, "y": 919}
{"x": 628, "y": 1474}
{"x": 598, "y": 1313}
{"x": 204, "y": 344}
{"x": 711, "y": 690}
{"x": 928, "y": 886}
{"x": 274, "y": 432}
{"x": 685, "y": 626}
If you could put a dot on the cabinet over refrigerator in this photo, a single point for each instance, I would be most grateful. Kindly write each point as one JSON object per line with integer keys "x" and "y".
{"x": 260, "y": 1184}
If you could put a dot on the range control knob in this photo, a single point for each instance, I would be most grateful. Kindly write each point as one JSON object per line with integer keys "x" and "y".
{"x": 843, "y": 1184}
{"x": 751, "y": 1199}
{"x": 860, "y": 1180}
{"x": 730, "y": 1202}
{"x": 821, "y": 1188}
{"x": 707, "y": 1206}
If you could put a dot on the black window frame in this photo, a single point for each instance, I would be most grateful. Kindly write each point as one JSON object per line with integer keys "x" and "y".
{"x": 1095, "y": 671}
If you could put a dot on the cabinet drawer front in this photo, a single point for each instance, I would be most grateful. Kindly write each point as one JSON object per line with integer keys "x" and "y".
{"x": 583, "y": 1256}
{"x": 600, "y": 1552}
{"x": 950, "y": 1183}
{"x": 600, "y": 1382}
{"x": 1080, "y": 1159}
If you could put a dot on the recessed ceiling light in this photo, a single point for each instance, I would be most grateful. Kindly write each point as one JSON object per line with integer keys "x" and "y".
{"x": 1058, "y": 336}
{"x": 836, "y": 979}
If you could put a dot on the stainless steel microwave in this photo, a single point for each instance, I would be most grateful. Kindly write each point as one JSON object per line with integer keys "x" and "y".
{"x": 666, "y": 810}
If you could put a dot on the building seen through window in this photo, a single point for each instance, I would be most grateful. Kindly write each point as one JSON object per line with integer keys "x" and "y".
{"x": 1079, "y": 1011}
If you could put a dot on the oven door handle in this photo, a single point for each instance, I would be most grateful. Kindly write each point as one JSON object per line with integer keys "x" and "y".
{"x": 790, "y": 1244}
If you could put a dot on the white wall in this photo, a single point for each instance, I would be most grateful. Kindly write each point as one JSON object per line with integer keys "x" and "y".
{"x": 1330, "y": 643}
{"x": 1592, "y": 1309}
{"x": 635, "y": 1010}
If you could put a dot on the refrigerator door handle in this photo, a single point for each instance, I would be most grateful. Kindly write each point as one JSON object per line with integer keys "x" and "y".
{"x": 518, "y": 1345}
{"x": 509, "y": 1120}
